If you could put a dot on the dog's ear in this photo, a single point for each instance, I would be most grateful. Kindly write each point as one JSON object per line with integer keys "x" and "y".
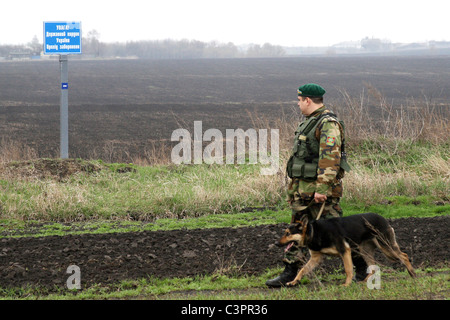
{"x": 299, "y": 226}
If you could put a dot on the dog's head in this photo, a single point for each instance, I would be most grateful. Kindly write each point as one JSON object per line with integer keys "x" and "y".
{"x": 295, "y": 233}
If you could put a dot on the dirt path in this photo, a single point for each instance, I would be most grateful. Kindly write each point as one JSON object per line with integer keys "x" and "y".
{"x": 109, "y": 258}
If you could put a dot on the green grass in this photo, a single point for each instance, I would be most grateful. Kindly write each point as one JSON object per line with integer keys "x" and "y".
{"x": 395, "y": 207}
{"x": 390, "y": 155}
{"x": 145, "y": 194}
{"x": 395, "y": 284}
{"x": 395, "y": 178}
{"x": 19, "y": 228}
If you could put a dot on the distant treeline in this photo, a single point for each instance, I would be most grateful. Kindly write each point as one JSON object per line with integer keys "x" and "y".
{"x": 179, "y": 49}
{"x": 155, "y": 49}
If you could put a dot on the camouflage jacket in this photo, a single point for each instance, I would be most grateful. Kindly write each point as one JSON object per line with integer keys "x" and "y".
{"x": 328, "y": 178}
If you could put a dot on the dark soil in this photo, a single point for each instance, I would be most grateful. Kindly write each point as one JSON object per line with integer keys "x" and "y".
{"x": 123, "y": 110}
{"x": 58, "y": 169}
{"x": 109, "y": 258}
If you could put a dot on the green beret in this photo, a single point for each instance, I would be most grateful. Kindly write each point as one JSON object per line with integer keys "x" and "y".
{"x": 311, "y": 90}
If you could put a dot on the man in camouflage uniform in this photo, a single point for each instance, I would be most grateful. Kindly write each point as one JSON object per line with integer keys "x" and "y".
{"x": 316, "y": 168}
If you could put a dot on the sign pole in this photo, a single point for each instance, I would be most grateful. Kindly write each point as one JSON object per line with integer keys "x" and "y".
{"x": 63, "y": 38}
{"x": 64, "y": 107}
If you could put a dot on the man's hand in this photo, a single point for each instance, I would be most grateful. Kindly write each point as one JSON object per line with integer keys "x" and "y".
{"x": 319, "y": 198}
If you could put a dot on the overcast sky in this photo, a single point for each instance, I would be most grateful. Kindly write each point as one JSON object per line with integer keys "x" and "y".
{"x": 279, "y": 22}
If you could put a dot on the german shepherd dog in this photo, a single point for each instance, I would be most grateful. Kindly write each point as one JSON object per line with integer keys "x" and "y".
{"x": 339, "y": 236}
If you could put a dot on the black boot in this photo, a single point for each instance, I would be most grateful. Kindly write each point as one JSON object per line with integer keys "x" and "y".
{"x": 288, "y": 274}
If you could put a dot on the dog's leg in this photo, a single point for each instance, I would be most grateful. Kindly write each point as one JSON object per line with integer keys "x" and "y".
{"x": 392, "y": 250}
{"x": 316, "y": 258}
{"x": 396, "y": 255}
{"x": 348, "y": 266}
{"x": 367, "y": 250}
{"x": 405, "y": 259}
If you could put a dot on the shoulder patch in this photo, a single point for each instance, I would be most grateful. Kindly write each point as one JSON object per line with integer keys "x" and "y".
{"x": 331, "y": 141}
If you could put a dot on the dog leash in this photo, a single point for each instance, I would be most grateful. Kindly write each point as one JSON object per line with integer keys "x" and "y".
{"x": 309, "y": 204}
{"x": 321, "y": 210}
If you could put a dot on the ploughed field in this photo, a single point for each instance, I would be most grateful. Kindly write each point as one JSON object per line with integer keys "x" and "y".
{"x": 109, "y": 258}
{"x": 119, "y": 110}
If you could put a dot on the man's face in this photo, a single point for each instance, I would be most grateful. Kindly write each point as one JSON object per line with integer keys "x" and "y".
{"x": 304, "y": 103}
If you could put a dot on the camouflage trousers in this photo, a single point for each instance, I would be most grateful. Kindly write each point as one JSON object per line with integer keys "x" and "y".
{"x": 304, "y": 211}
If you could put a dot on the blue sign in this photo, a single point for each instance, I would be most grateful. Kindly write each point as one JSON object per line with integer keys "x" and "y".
{"x": 64, "y": 85}
{"x": 62, "y": 37}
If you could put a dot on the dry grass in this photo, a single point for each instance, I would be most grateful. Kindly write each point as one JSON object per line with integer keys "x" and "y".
{"x": 398, "y": 153}
{"x": 371, "y": 116}
{"x": 10, "y": 151}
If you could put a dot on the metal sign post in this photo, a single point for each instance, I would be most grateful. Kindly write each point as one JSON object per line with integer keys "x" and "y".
{"x": 63, "y": 38}
{"x": 64, "y": 107}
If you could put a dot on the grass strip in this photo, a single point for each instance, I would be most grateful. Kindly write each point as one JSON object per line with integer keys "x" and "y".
{"x": 431, "y": 284}
{"x": 398, "y": 207}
